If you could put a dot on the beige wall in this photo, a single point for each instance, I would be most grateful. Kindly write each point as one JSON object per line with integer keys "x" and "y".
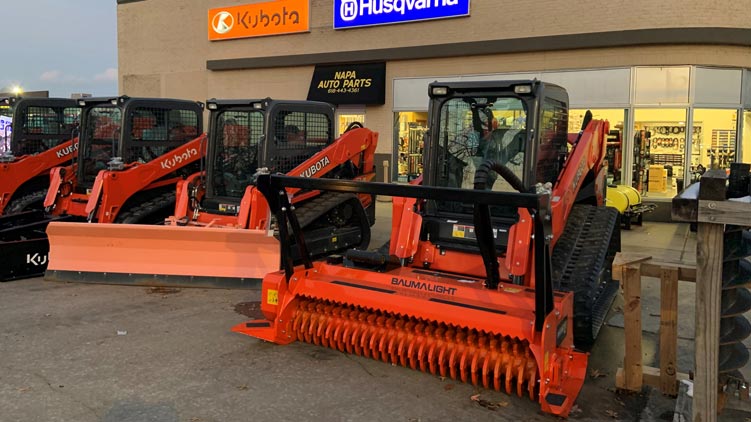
{"x": 163, "y": 45}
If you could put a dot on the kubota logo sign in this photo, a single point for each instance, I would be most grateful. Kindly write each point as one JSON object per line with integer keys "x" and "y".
{"x": 315, "y": 168}
{"x": 222, "y": 22}
{"x": 36, "y": 259}
{"x": 177, "y": 159}
{"x": 70, "y": 149}
{"x": 259, "y": 19}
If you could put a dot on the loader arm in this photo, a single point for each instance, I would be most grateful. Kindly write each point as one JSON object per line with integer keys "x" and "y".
{"x": 584, "y": 163}
{"x": 15, "y": 174}
{"x": 116, "y": 187}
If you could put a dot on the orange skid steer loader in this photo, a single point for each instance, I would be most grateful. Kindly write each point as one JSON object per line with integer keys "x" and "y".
{"x": 221, "y": 233}
{"x": 42, "y": 135}
{"x": 496, "y": 272}
{"x": 131, "y": 154}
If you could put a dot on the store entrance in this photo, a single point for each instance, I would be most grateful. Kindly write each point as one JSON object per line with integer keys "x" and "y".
{"x": 409, "y": 132}
{"x": 659, "y": 151}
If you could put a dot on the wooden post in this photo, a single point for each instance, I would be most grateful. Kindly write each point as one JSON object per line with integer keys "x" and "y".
{"x": 709, "y": 254}
{"x": 668, "y": 330}
{"x": 632, "y": 361}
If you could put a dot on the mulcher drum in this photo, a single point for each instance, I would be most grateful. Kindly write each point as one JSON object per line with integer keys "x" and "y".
{"x": 582, "y": 261}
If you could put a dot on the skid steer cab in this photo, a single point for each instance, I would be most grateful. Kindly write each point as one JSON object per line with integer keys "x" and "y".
{"x": 36, "y": 135}
{"x": 222, "y": 233}
{"x": 496, "y": 271}
{"x": 131, "y": 152}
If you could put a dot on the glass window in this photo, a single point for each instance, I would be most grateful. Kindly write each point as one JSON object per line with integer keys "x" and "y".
{"x": 717, "y": 86}
{"x": 553, "y": 140}
{"x": 659, "y": 151}
{"x": 410, "y": 140}
{"x": 662, "y": 85}
{"x": 346, "y": 119}
{"x": 714, "y": 137}
{"x": 473, "y": 130}
{"x": 746, "y": 145}
{"x": 614, "y": 153}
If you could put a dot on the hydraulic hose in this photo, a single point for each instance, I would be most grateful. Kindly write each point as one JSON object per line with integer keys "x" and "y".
{"x": 482, "y": 173}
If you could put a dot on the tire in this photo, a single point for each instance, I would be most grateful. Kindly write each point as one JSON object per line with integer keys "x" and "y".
{"x": 30, "y": 202}
{"x": 153, "y": 211}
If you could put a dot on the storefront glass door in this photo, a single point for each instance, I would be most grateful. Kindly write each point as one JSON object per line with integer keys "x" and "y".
{"x": 618, "y": 119}
{"x": 659, "y": 151}
{"x": 714, "y": 140}
{"x": 410, "y": 139}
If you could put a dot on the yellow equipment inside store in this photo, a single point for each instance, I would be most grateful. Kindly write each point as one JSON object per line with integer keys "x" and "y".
{"x": 627, "y": 201}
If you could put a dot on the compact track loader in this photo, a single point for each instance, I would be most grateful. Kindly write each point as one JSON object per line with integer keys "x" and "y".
{"x": 43, "y": 136}
{"x": 131, "y": 154}
{"x": 221, "y": 234}
{"x": 497, "y": 270}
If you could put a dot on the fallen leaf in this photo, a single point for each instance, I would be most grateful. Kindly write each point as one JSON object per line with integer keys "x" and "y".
{"x": 443, "y": 378}
{"x": 595, "y": 373}
{"x": 24, "y": 389}
{"x": 575, "y": 409}
{"x": 612, "y": 414}
{"x": 619, "y": 401}
{"x": 242, "y": 387}
{"x": 476, "y": 397}
{"x": 502, "y": 403}
{"x": 448, "y": 387}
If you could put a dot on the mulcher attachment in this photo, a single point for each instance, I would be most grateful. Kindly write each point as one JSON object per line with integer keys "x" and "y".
{"x": 493, "y": 344}
{"x": 510, "y": 337}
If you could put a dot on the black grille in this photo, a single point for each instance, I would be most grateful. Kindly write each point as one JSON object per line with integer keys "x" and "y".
{"x": 235, "y": 158}
{"x": 156, "y": 131}
{"x": 102, "y": 131}
{"x": 299, "y": 135}
{"x": 43, "y": 128}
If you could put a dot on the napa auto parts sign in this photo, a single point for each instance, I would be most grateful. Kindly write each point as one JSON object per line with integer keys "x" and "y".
{"x": 356, "y": 13}
{"x": 259, "y": 19}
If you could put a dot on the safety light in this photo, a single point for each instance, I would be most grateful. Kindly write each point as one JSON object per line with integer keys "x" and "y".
{"x": 82, "y": 103}
{"x": 211, "y": 106}
{"x": 523, "y": 89}
{"x": 440, "y": 90}
{"x": 257, "y": 106}
{"x": 113, "y": 101}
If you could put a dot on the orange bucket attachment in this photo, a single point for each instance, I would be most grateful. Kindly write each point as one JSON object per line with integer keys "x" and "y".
{"x": 448, "y": 326}
{"x": 160, "y": 255}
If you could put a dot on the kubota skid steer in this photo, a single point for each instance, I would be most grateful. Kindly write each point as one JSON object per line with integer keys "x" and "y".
{"x": 220, "y": 234}
{"x": 43, "y": 137}
{"x": 131, "y": 154}
{"x": 496, "y": 288}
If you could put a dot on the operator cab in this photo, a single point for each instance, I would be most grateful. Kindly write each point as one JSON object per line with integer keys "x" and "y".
{"x": 519, "y": 124}
{"x": 39, "y": 123}
{"x": 135, "y": 130}
{"x": 246, "y": 135}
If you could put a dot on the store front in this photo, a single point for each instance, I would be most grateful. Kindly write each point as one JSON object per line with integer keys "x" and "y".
{"x": 668, "y": 124}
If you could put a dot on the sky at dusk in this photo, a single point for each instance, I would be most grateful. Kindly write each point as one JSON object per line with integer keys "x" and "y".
{"x": 63, "y": 46}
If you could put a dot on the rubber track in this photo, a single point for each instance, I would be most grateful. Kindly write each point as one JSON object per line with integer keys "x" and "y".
{"x": 138, "y": 213}
{"x": 582, "y": 262}
{"x": 22, "y": 204}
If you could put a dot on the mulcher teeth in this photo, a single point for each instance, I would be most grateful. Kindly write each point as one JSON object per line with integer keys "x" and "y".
{"x": 492, "y": 361}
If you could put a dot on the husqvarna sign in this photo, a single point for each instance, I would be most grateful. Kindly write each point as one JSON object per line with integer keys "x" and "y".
{"x": 356, "y": 13}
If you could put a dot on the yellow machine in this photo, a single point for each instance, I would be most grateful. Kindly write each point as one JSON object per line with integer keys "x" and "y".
{"x": 627, "y": 201}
